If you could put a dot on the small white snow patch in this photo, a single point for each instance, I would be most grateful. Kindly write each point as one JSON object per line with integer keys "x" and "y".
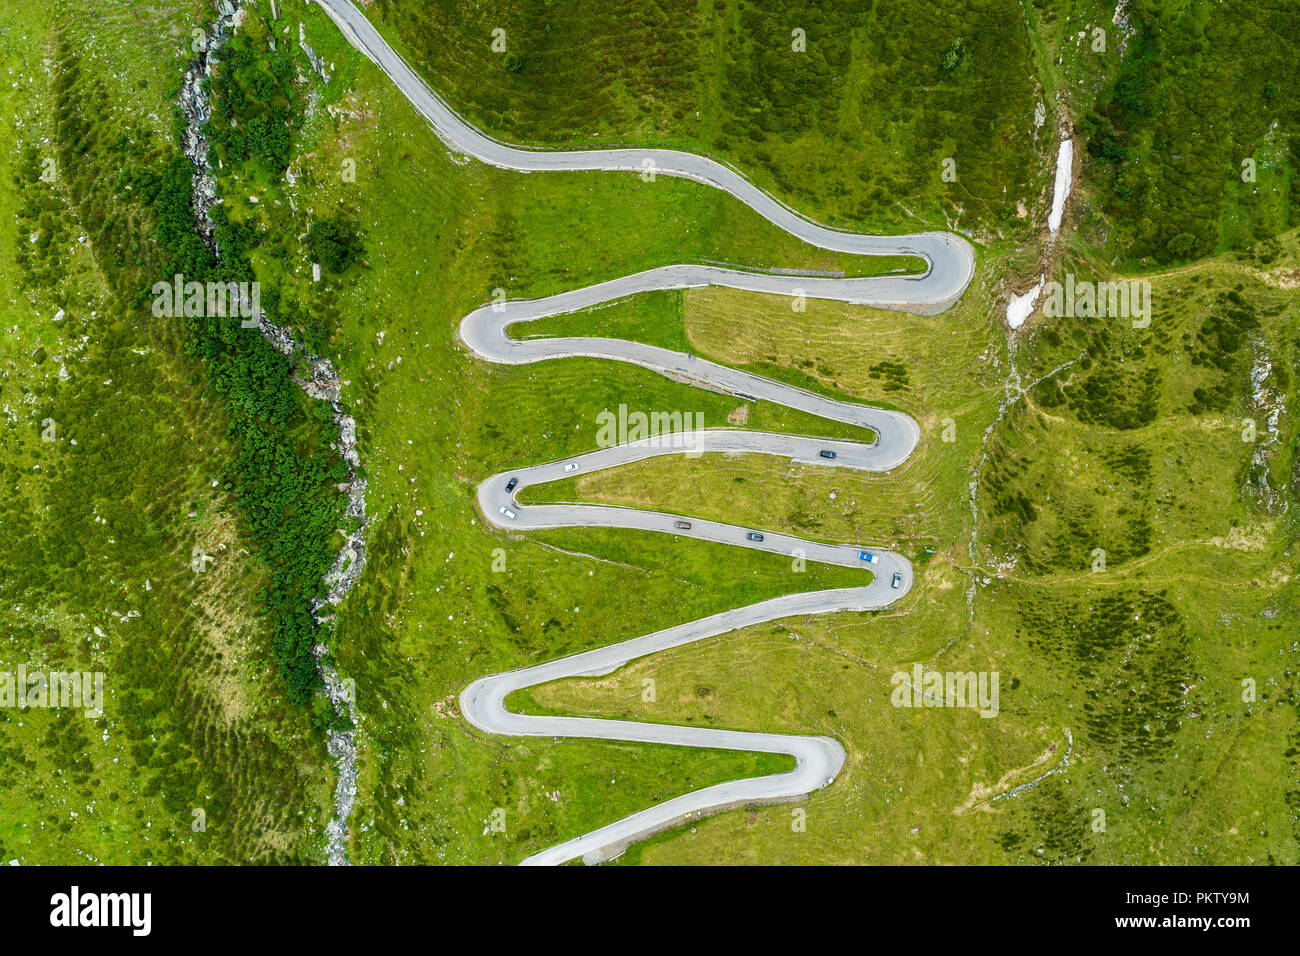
{"x": 1061, "y": 191}
{"x": 1021, "y": 307}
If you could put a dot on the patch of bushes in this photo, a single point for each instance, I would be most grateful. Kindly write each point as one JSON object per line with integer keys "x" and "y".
{"x": 256, "y": 106}
{"x": 335, "y": 243}
{"x": 1131, "y": 653}
{"x": 894, "y": 375}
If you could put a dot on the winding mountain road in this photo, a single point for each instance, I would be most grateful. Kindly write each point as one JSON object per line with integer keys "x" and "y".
{"x": 950, "y": 268}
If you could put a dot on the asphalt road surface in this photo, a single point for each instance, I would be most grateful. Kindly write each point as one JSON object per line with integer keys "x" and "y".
{"x": 951, "y": 259}
{"x": 889, "y": 439}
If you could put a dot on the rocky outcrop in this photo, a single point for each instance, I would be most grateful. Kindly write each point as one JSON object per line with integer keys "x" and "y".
{"x": 196, "y": 107}
{"x": 317, "y": 64}
{"x": 318, "y": 379}
{"x": 1268, "y": 404}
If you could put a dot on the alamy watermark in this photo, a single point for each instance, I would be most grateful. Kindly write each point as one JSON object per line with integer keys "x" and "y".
{"x": 172, "y": 300}
{"x": 656, "y": 429}
{"x": 1121, "y": 300}
{"x": 977, "y": 690}
{"x": 80, "y": 690}
{"x": 129, "y": 910}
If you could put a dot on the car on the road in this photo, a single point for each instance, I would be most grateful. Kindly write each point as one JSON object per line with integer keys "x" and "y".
{"x": 898, "y": 580}
{"x": 868, "y": 557}
{"x": 827, "y": 453}
{"x": 754, "y": 536}
{"x": 571, "y": 466}
{"x": 508, "y": 513}
{"x": 510, "y": 485}
{"x": 684, "y": 525}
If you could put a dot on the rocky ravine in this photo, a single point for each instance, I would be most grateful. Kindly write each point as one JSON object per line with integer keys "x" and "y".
{"x": 319, "y": 379}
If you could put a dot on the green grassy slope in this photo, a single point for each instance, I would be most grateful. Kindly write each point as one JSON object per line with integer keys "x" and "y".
{"x": 863, "y": 115}
{"x": 1168, "y": 675}
{"x": 1133, "y": 447}
{"x": 1195, "y": 140}
{"x": 102, "y": 519}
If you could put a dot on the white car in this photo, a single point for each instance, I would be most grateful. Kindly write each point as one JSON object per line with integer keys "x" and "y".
{"x": 508, "y": 513}
{"x": 571, "y": 466}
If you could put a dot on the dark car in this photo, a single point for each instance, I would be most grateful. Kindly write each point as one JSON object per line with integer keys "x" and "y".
{"x": 898, "y": 580}
{"x": 754, "y": 536}
{"x": 827, "y": 453}
{"x": 684, "y": 525}
{"x": 510, "y": 485}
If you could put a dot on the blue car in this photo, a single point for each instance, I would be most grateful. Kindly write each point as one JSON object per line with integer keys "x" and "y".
{"x": 869, "y": 558}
